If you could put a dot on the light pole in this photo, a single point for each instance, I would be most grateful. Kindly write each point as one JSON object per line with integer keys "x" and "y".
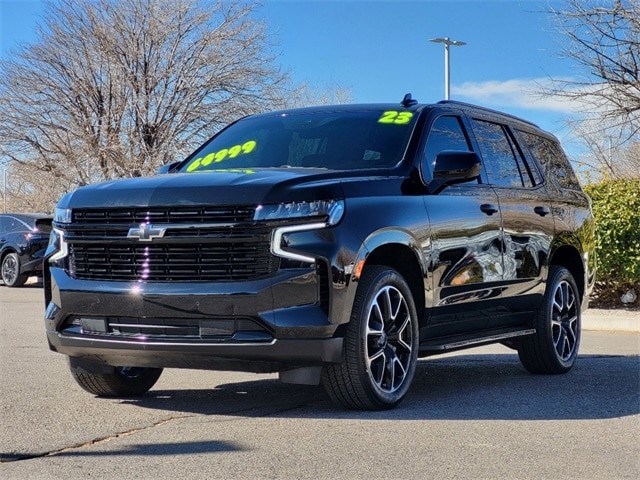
{"x": 447, "y": 43}
{"x": 4, "y": 185}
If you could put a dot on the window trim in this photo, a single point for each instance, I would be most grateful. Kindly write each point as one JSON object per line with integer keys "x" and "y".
{"x": 530, "y": 159}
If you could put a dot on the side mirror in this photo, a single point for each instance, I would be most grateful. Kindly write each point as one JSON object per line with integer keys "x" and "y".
{"x": 167, "y": 168}
{"x": 453, "y": 167}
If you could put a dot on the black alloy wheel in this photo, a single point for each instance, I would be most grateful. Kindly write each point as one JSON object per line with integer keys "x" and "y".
{"x": 553, "y": 349}
{"x": 381, "y": 344}
{"x": 11, "y": 271}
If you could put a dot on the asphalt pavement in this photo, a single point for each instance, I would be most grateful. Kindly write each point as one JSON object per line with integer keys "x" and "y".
{"x": 474, "y": 415}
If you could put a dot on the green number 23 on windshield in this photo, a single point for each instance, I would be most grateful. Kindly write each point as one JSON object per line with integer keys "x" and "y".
{"x": 395, "y": 117}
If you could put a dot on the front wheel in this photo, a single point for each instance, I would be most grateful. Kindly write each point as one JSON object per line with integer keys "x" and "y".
{"x": 122, "y": 382}
{"x": 381, "y": 344}
{"x": 11, "y": 271}
{"x": 553, "y": 349}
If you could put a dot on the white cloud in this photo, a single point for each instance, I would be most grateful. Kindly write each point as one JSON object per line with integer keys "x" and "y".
{"x": 515, "y": 93}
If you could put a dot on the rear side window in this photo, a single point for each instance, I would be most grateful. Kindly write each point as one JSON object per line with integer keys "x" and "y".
{"x": 499, "y": 154}
{"x": 43, "y": 226}
{"x": 12, "y": 224}
{"x": 554, "y": 162}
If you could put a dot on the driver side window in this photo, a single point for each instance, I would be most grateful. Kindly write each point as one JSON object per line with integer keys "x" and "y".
{"x": 446, "y": 133}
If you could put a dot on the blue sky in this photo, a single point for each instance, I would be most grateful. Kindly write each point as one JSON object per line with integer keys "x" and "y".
{"x": 379, "y": 49}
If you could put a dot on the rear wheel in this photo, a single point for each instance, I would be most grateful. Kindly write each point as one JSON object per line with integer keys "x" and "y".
{"x": 553, "y": 349}
{"x": 11, "y": 271}
{"x": 122, "y": 382}
{"x": 381, "y": 344}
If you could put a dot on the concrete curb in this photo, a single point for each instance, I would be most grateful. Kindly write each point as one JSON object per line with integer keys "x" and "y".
{"x": 611, "y": 320}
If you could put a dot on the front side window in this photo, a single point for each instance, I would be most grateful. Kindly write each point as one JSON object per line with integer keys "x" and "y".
{"x": 446, "y": 134}
{"x": 340, "y": 140}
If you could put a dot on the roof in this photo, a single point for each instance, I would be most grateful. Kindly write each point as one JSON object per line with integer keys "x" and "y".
{"x": 34, "y": 216}
{"x": 408, "y": 104}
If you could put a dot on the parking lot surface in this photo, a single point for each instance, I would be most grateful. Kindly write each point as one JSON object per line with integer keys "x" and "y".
{"x": 476, "y": 415}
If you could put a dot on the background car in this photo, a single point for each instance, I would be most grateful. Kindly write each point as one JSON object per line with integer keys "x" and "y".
{"x": 23, "y": 241}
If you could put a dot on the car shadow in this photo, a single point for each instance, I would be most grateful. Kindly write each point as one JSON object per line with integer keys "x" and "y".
{"x": 473, "y": 387}
{"x": 33, "y": 282}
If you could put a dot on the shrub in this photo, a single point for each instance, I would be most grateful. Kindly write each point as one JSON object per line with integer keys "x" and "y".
{"x": 616, "y": 207}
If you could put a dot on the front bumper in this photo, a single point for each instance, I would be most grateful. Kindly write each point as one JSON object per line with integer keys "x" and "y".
{"x": 265, "y": 325}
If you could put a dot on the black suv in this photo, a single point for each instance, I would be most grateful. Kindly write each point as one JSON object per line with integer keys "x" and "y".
{"x": 23, "y": 241}
{"x": 330, "y": 244}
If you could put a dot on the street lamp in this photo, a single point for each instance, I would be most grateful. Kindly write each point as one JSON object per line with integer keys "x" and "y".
{"x": 5, "y": 164}
{"x": 447, "y": 42}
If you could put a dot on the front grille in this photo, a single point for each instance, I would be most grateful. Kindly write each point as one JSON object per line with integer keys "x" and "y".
{"x": 167, "y": 262}
{"x": 187, "y": 215}
{"x": 199, "y": 245}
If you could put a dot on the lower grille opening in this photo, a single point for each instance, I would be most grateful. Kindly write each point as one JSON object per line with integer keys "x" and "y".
{"x": 158, "y": 329}
{"x": 323, "y": 283}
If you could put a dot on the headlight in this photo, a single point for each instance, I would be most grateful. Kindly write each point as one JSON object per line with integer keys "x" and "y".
{"x": 320, "y": 214}
{"x": 62, "y": 215}
{"x": 331, "y": 210}
{"x": 58, "y": 248}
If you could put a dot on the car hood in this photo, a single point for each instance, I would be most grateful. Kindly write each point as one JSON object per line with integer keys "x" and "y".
{"x": 216, "y": 188}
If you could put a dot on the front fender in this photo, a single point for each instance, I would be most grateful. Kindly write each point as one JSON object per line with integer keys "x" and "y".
{"x": 378, "y": 248}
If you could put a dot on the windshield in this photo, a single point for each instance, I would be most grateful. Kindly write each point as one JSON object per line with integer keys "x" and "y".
{"x": 339, "y": 140}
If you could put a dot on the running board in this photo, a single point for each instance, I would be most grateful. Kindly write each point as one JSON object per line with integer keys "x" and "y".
{"x": 458, "y": 342}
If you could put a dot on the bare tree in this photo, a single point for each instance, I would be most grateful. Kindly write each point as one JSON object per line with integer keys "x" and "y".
{"x": 28, "y": 190}
{"x": 304, "y": 94}
{"x": 610, "y": 153}
{"x": 604, "y": 43}
{"x": 117, "y": 88}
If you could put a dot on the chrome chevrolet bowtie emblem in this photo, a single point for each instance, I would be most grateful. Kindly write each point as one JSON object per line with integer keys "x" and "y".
{"x": 146, "y": 232}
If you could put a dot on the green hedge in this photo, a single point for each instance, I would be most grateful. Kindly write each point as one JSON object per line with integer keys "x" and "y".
{"x": 616, "y": 207}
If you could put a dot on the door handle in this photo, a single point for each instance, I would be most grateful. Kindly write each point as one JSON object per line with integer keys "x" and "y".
{"x": 542, "y": 211}
{"x": 488, "y": 208}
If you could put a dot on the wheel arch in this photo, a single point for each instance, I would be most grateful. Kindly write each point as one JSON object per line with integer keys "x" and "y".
{"x": 6, "y": 251}
{"x": 569, "y": 257}
{"x": 401, "y": 251}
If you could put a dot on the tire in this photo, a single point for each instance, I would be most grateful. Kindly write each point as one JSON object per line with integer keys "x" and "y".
{"x": 553, "y": 349}
{"x": 11, "y": 271}
{"x": 123, "y": 382}
{"x": 381, "y": 345}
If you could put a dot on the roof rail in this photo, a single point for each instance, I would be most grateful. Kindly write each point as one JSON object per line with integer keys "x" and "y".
{"x": 485, "y": 109}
